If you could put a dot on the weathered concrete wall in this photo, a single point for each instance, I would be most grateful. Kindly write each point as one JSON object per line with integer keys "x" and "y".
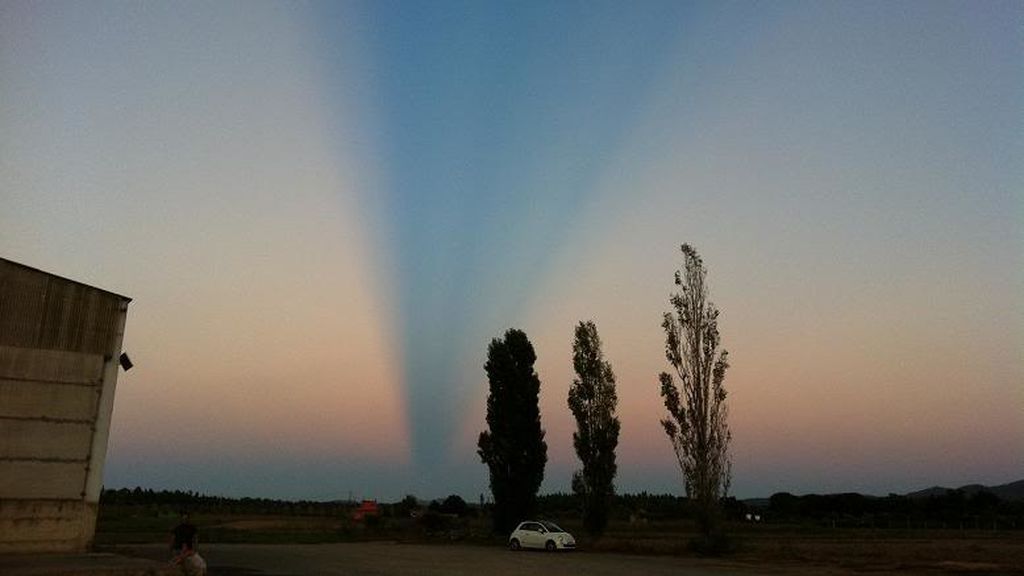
{"x": 40, "y": 479}
{"x": 47, "y": 400}
{"x": 44, "y": 525}
{"x": 59, "y": 344}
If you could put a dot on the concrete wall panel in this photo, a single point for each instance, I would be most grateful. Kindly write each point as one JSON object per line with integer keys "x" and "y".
{"x": 37, "y": 480}
{"x": 59, "y": 344}
{"x": 22, "y": 399}
{"x": 44, "y": 440}
{"x": 50, "y": 365}
{"x": 45, "y": 525}
{"x": 54, "y": 528}
{"x": 41, "y": 547}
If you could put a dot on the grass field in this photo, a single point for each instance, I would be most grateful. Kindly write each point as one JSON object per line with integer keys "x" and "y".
{"x": 862, "y": 550}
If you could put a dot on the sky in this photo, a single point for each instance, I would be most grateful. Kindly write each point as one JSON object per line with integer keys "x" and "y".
{"x": 324, "y": 211}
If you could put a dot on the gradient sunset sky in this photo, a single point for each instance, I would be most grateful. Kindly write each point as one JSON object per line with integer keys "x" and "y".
{"x": 324, "y": 212}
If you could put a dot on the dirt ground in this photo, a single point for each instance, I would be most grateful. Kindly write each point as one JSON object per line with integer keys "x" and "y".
{"x": 387, "y": 558}
{"x": 95, "y": 564}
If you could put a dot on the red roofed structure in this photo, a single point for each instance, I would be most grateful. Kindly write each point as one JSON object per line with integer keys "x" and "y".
{"x": 366, "y": 509}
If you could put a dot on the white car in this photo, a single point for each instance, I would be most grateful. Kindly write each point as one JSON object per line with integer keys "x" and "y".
{"x": 540, "y": 534}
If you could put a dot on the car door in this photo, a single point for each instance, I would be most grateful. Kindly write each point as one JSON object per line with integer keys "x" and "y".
{"x": 534, "y": 538}
{"x": 542, "y": 535}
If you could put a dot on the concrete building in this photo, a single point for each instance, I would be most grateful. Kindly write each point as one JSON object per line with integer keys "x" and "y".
{"x": 60, "y": 346}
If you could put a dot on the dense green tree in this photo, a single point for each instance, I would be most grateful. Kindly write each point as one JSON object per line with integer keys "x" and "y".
{"x": 407, "y": 506}
{"x": 513, "y": 446}
{"x": 454, "y": 504}
{"x": 698, "y": 416}
{"x": 592, "y": 400}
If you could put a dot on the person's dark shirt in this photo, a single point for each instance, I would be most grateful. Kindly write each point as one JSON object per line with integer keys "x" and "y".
{"x": 184, "y": 532}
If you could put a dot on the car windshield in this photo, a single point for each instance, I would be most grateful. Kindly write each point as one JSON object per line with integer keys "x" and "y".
{"x": 552, "y": 527}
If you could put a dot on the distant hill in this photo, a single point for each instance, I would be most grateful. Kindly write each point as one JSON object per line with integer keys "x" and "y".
{"x": 1012, "y": 492}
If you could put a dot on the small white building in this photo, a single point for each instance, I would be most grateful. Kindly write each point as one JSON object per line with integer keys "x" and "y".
{"x": 60, "y": 347}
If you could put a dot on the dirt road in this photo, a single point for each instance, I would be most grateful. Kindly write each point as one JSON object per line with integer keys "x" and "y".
{"x": 386, "y": 559}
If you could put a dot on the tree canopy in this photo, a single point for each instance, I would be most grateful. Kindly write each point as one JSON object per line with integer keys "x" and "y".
{"x": 697, "y": 422}
{"x": 592, "y": 400}
{"x": 513, "y": 446}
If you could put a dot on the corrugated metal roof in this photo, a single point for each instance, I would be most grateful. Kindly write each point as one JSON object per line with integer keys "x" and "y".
{"x": 34, "y": 269}
{"x": 44, "y": 311}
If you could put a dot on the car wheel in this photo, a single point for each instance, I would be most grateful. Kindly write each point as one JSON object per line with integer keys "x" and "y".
{"x": 514, "y": 545}
{"x": 550, "y": 546}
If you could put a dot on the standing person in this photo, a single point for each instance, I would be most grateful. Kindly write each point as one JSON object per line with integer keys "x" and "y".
{"x": 184, "y": 533}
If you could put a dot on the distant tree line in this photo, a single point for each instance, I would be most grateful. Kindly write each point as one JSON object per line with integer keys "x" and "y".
{"x": 171, "y": 502}
{"x": 639, "y": 507}
{"x": 556, "y": 506}
{"x": 955, "y": 509}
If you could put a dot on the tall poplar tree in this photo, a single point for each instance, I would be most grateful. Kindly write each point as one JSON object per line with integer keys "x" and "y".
{"x": 513, "y": 446}
{"x": 592, "y": 400}
{"x": 698, "y": 416}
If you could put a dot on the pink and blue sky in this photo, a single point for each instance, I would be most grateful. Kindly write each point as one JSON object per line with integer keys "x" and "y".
{"x": 324, "y": 212}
